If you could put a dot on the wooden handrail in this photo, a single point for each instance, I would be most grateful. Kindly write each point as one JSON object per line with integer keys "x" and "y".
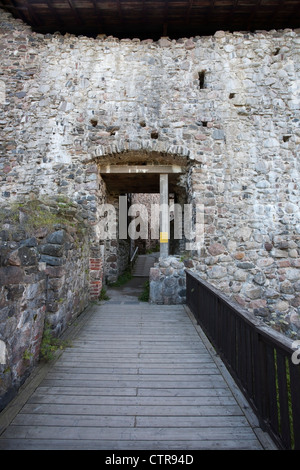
{"x": 259, "y": 358}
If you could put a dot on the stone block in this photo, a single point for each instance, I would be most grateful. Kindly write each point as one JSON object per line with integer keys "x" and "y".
{"x": 14, "y": 259}
{"x": 218, "y": 134}
{"x": 11, "y": 275}
{"x": 30, "y": 242}
{"x": 28, "y": 256}
{"x": 245, "y": 265}
{"x": 55, "y": 271}
{"x": 253, "y": 292}
{"x": 216, "y": 249}
{"x": 58, "y": 238}
{"x": 15, "y": 292}
{"x": 217, "y": 272}
{"x": 292, "y": 274}
{"x": 240, "y": 275}
{"x": 51, "y": 260}
{"x": 51, "y": 249}
{"x": 259, "y": 278}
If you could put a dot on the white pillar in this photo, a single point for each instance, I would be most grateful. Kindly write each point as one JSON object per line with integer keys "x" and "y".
{"x": 164, "y": 215}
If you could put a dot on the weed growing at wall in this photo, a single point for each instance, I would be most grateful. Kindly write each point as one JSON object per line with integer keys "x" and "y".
{"x": 103, "y": 294}
{"x": 50, "y": 344}
{"x": 122, "y": 279}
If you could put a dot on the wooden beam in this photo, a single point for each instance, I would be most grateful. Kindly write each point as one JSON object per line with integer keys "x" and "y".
{"x": 98, "y": 15}
{"x": 75, "y": 11}
{"x": 164, "y": 225}
{"x": 126, "y": 169}
{"x": 165, "y": 21}
{"x": 231, "y": 11}
{"x": 144, "y": 19}
{"x": 294, "y": 12}
{"x": 252, "y": 15}
{"x": 120, "y": 11}
{"x": 188, "y": 10}
{"x": 31, "y": 14}
{"x": 55, "y": 13}
{"x": 277, "y": 9}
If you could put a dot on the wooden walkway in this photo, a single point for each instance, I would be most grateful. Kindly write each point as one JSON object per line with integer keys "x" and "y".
{"x": 137, "y": 376}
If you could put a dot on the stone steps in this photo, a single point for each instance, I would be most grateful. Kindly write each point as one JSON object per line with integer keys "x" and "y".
{"x": 143, "y": 264}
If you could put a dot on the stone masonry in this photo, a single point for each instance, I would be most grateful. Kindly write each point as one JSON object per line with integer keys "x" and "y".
{"x": 44, "y": 280}
{"x": 226, "y": 105}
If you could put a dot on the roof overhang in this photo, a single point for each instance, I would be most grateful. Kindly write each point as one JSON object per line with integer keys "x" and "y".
{"x": 154, "y": 18}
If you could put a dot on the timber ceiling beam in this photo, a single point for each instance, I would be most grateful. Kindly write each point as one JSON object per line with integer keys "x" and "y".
{"x": 143, "y": 169}
{"x": 121, "y": 16}
{"x": 188, "y": 10}
{"x": 165, "y": 21}
{"x": 32, "y": 14}
{"x": 97, "y": 15}
{"x": 75, "y": 11}
{"x": 54, "y": 13}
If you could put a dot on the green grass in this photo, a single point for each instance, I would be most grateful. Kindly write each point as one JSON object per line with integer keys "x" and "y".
{"x": 103, "y": 295}
{"x": 34, "y": 214}
{"x": 122, "y": 279}
{"x": 144, "y": 296}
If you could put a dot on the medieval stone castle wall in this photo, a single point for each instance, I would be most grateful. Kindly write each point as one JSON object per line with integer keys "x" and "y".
{"x": 227, "y": 104}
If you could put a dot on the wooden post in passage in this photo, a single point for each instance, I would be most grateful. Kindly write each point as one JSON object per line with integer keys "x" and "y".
{"x": 164, "y": 215}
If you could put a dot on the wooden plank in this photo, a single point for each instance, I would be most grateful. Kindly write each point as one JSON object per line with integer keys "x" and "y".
{"x": 126, "y": 433}
{"x": 24, "y": 419}
{"x": 146, "y": 392}
{"x": 131, "y": 421}
{"x": 129, "y": 377}
{"x": 141, "y": 370}
{"x": 192, "y": 421}
{"x": 156, "y": 169}
{"x": 128, "y": 363}
{"x": 129, "y": 445}
{"x": 131, "y": 400}
{"x": 204, "y": 382}
{"x": 183, "y": 392}
{"x": 132, "y": 410}
{"x": 155, "y": 356}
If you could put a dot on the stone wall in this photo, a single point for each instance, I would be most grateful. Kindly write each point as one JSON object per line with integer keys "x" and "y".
{"x": 227, "y": 103}
{"x": 168, "y": 281}
{"x": 44, "y": 280}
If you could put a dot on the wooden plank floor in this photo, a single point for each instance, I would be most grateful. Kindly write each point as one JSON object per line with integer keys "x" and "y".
{"x": 137, "y": 376}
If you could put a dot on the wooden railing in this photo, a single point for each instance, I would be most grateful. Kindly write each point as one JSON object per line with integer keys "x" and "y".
{"x": 261, "y": 360}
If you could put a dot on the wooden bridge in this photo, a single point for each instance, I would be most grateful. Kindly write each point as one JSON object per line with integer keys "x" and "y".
{"x": 137, "y": 376}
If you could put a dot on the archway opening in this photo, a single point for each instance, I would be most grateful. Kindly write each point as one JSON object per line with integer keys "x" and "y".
{"x": 144, "y": 191}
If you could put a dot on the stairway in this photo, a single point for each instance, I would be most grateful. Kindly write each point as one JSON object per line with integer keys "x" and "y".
{"x": 143, "y": 264}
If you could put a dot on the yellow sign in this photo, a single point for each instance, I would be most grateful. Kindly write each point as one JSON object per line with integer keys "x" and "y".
{"x": 163, "y": 237}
